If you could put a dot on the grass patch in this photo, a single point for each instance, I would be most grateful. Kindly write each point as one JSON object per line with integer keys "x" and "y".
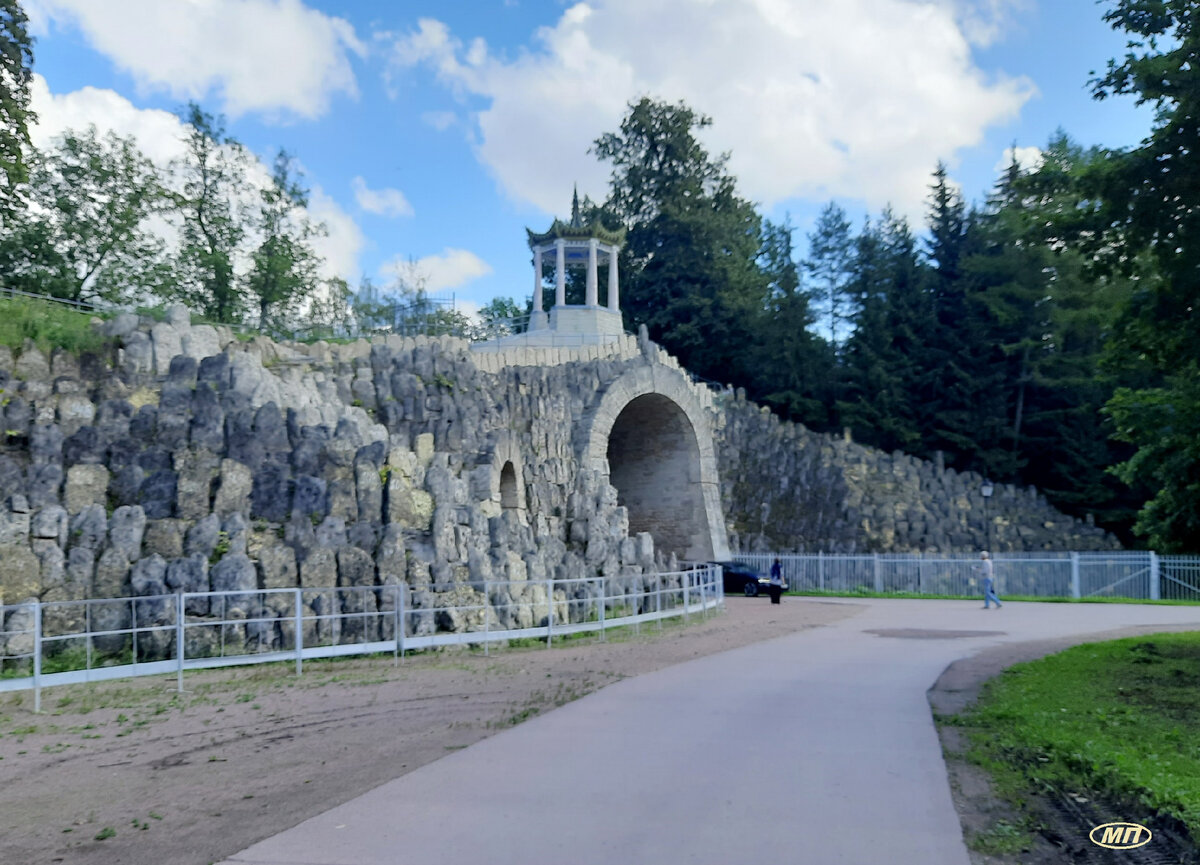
{"x": 1002, "y": 839}
{"x": 1118, "y": 721}
{"x": 49, "y": 325}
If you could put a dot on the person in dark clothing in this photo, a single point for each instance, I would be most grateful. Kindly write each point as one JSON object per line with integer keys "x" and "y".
{"x": 776, "y": 586}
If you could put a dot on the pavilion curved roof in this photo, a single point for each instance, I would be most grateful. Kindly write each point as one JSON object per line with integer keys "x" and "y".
{"x": 567, "y": 231}
{"x": 576, "y": 229}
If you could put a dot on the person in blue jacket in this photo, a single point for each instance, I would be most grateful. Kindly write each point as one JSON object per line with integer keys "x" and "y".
{"x": 776, "y": 586}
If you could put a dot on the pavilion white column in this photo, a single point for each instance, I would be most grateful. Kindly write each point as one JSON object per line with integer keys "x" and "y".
{"x": 593, "y": 280}
{"x": 614, "y": 303}
{"x": 537, "y": 280}
{"x": 560, "y": 272}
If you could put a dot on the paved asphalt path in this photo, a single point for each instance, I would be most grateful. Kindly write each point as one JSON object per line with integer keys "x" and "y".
{"x": 818, "y": 747}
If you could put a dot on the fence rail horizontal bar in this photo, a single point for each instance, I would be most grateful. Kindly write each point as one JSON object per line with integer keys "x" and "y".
{"x": 162, "y": 634}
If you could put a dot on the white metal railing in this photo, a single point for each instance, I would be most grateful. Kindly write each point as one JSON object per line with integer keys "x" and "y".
{"x": 99, "y": 639}
{"x": 1134, "y": 575}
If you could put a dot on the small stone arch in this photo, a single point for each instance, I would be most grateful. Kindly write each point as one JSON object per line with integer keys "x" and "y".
{"x": 510, "y": 496}
{"x": 506, "y": 481}
{"x": 649, "y": 437}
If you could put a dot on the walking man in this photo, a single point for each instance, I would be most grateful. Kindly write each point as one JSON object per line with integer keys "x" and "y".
{"x": 989, "y": 581}
{"x": 776, "y": 587}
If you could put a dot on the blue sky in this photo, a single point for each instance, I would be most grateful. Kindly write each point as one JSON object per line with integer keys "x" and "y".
{"x": 434, "y": 132}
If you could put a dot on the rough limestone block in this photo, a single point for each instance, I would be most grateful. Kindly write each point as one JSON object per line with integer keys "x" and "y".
{"x": 121, "y": 326}
{"x": 50, "y": 523}
{"x": 201, "y": 341}
{"x": 74, "y": 411}
{"x": 179, "y": 317}
{"x": 87, "y": 484}
{"x": 407, "y": 506}
{"x": 166, "y": 344}
{"x": 111, "y": 574}
{"x": 20, "y": 573}
{"x": 319, "y": 569}
{"x": 147, "y": 578}
{"x": 125, "y": 531}
{"x": 277, "y": 567}
{"x": 423, "y": 447}
{"x": 234, "y": 573}
{"x": 14, "y": 521}
{"x": 164, "y": 538}
{"x": 233, "y": 488}
{"x": 32, "y": 364}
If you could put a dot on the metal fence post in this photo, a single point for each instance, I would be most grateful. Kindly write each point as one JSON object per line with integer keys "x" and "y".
{"x": 1075, "y": 586}
{"x": 179, "y": 642}
{"x": 37, "y": 657}
{"x": 685, "y": 597}
{"x": 299, "y": 636}
{"x": 395, "y": 624}
{"x": 603, "y": 605}
{"x": 1155, "y": 577}
{"x": 820, "y": 570}
{"x": 133, "y": 630}
{"x": 549, "y": 611}
{"x": 400, "y": 616}
{"x": 486, "y": 604}
{"x": 658, "y": 598}
{"x": 878, "y": 573}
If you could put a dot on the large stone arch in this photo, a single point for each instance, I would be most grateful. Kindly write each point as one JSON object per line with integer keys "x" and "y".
{"x": 649, "y": 437}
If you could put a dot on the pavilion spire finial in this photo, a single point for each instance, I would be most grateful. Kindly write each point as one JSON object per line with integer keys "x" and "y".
{"x": 576, "y": 218}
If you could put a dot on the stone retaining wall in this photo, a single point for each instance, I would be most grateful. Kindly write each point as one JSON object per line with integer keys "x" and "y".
{"x": 186, "y": 459}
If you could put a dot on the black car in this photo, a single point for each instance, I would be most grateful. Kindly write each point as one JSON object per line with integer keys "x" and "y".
{"x": 743, "y": 579}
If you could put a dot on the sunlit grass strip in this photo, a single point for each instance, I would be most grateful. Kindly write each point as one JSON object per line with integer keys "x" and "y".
{"x": 1120, "y": 719}
{"x": 49, "y": 325}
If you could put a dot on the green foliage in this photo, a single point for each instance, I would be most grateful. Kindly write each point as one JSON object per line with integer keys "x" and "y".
{"x": 285, "y": 269}
{"x": 16, "y": 72}
{"x": 1164, "y": 423}
{"x": 214, "y": 217}
{"x": 88, "y": 239}
{"x": 885, "y": 355}
{"x": 1118, "y": 718}
{"x": 1147, "y": 202}
{"x": 830, "y": 265}
{"x": 49, "y": 325}
{"x": 690, "y": 260}
{"x": 220, "y": 548}
{"x": 793, "y": 366}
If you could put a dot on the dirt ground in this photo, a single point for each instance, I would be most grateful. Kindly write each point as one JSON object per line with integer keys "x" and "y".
{"x": 133, "y": 772}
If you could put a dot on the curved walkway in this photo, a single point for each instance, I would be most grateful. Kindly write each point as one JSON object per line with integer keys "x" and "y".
{"x": 816, "y": 747}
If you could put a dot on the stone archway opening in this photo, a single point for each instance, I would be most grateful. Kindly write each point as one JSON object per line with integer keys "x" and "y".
{"x": 510, "y": 497}
{"x": 654, "y": 463}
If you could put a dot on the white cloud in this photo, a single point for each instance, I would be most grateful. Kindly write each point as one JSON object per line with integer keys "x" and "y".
{"x": 985, "y": 21}
{"x": 817, "y": 99}
{"x": 449, "y": 269}
{"x": 382, "y": 202}
{"x": 160, "y": 135}
{"x": 439, "y": 120}
{"x": 343, "y": 242}
{"x": 1028, "y": 158}
{"x": 277, "y": 57}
